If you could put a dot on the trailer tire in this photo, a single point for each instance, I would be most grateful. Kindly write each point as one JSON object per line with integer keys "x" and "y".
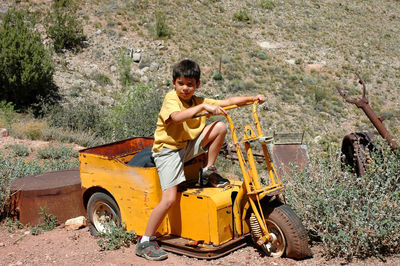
{"x": 288, "y": 231}
{"x": 102, "y": 208}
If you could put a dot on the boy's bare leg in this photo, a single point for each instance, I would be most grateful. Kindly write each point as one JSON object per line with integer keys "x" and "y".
{"x": 214, "y": 136}
{"x": 157, "y": 215}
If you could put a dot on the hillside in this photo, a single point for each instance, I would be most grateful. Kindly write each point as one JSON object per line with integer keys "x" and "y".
{"x": 294, "y": 52}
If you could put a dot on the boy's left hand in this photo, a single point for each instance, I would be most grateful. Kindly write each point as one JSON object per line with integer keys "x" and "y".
{"x": 260, "y": 98}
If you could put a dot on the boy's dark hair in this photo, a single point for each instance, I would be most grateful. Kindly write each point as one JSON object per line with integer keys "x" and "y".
{"x": 186, "y": 68}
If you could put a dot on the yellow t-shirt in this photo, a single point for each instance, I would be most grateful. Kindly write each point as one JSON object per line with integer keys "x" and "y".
{"x": 176, "y": 136}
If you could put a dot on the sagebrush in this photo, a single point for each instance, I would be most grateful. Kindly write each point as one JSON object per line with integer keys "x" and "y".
{"x": 352, "y": 216}
{"x": 115, "y": 237}
{"x": 64, "y": 27}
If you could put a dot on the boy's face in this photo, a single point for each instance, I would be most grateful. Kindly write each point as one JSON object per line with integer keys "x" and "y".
{"x": 185, "y": 87}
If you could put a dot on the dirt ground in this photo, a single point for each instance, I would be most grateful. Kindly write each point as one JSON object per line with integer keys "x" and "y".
{"x": 62, "y": 247}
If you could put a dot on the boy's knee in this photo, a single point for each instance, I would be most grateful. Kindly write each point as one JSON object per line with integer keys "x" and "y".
{"x": 221, "y": 127}
{"x": 169, "y": 200}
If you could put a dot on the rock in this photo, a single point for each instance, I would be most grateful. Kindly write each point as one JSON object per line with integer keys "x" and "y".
{"x": 268, "y": 45}
{"x": 76, "y": 223}
{"x": 139, "y": 72}
{"x": 3, "y": 132}
{"x": 314, "y": 67}
{"x": 2, "y": 245}
{"x": 144, "y": 79}
{"x": 291, "y": 61}
{"x": 113, "y": 68}
{"x": 154, "y": 66}
{"x": 136, "y": 57}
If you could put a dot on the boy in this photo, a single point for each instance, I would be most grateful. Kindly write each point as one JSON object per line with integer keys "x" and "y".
{"x": 178, "y": 138}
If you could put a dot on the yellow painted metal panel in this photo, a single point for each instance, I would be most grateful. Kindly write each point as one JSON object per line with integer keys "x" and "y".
{"x": 225, "y": 225}
{"x": 135, "y": 189}
{"x": 188, "y": 218}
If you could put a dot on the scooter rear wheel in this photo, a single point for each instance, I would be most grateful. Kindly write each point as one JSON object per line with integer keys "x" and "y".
{"x": 102, "y": 209}
{"x": 289, "y": 237}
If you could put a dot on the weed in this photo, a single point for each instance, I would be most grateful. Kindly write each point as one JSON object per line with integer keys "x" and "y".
{"x": 36, "y": 230}
{"x": 31, "y": 130}
{"x": 64, "y": 27}
{"x": 13, "y": 225}
{"x": 217, "y": 76}
{"x": 57, "y": 152}
{"x": 49, "y": 222}
{"x": 77, "y": 116}
{"x": 115, "y": 237}
{"x": 162, "y": 30}
{"x": 7, "y": 112}
{"x": 241, "y": 15}
{"x": 126, "y": 118}
{"x": 352, "y": 216}
{"x": 267, "y": 4}
{"x": 19, "y": 149}
{"x": 124, "y": 63}
{"x": 102, "y": 79}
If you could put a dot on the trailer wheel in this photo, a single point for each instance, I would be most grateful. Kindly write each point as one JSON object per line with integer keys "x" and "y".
{"x": 289, "y": 237}
{"x": 102, "y": 208}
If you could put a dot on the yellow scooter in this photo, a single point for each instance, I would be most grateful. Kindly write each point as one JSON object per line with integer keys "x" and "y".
{"x": 205, "y": 222}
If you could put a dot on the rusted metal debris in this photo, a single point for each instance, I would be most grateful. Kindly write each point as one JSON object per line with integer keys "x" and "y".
{"x": 59, "y": 192}
{"x": 287, "y": 156}
{"x": 356, "y": 149}
{"x": 363, "y": 104}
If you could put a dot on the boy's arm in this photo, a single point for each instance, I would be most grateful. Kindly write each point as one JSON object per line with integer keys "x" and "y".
{"x": 238, "y": 100}
{"x": 182, "y": 116}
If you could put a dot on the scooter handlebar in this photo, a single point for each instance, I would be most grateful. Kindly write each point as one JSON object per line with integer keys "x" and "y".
{"x": 229, "y": 107}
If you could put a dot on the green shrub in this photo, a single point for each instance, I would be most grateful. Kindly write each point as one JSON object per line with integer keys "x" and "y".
{"x": 79, "y": 116}
{"x": 124, "y": 63}
{"x": 162, "y": 29}
{"x": 352, "y": 216}
{"x": 217, "y": 76}
{"x": 57, "y": 152}
{"x": 49, "y": 222}
{"x": 19, "y": 149}
{"x": 64, "y": 27}
{"x": 26, "y": 71}
{"x": 13, "y": 225}
{"x": 115, "y": 237}
{"x": 241, "y": 15}
{"x": 7, "y": 113}
{"x": 102, "y": 79}
{"x": 135, "y": 113}
{"x": 267, "y": 4}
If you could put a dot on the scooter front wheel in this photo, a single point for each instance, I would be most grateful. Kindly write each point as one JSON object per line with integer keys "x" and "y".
{"x": 289, "y": 237}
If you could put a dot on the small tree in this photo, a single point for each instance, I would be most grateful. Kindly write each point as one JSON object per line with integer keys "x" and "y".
{"x": 26, "y": 71}
{"x": 64, "y": 27}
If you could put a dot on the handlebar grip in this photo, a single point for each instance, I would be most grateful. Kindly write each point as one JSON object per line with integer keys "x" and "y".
{"x": 229, "y": 107}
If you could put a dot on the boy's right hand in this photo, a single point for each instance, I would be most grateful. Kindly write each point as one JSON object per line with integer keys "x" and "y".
{"x": 214, "y": 109}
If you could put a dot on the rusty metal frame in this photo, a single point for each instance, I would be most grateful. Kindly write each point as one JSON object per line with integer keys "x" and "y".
{"x": 363, "y": 104}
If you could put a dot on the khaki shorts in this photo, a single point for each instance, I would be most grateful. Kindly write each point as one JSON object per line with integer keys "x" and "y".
{"x": 170, "y": 162}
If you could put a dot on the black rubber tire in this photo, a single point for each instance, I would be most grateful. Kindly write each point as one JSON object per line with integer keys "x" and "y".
{"x": 293, "y": 231}
{"x": 101, "y": 204}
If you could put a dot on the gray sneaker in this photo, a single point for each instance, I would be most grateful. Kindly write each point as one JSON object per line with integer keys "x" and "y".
{"x": 212, "y": 177}
{"x": 150, "y": 250}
